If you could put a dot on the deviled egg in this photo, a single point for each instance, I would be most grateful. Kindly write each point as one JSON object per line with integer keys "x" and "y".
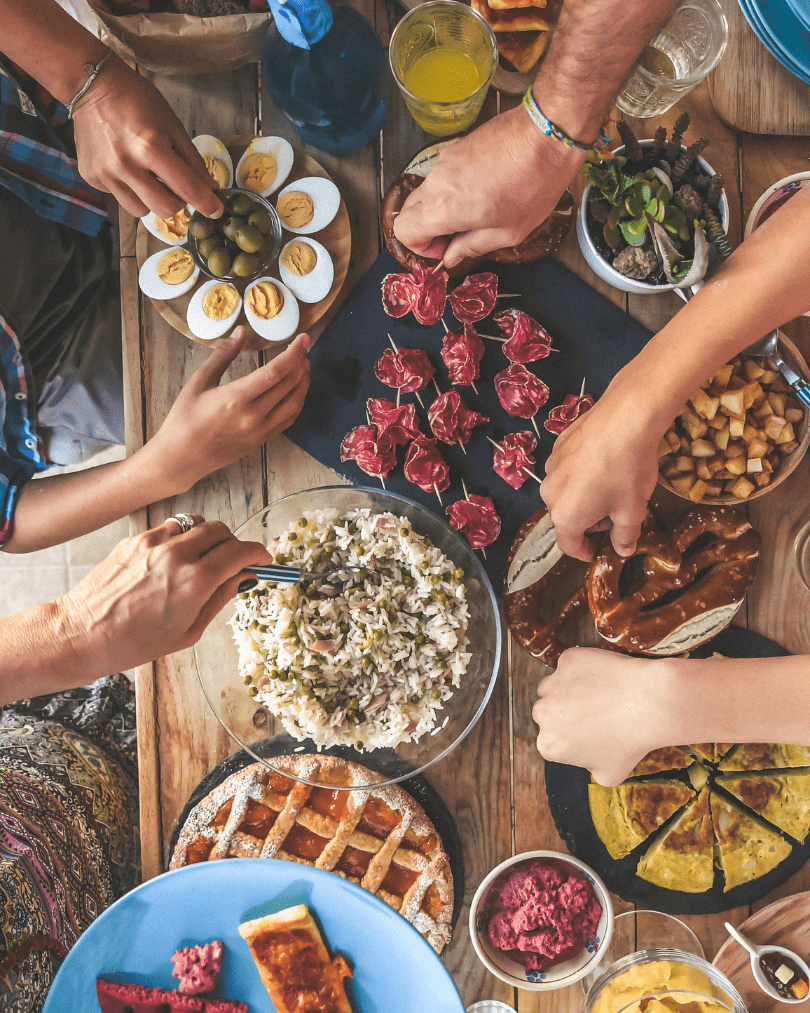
{"x": 306, "y": 269}
{"x": 271, "y": 309}
{"x": 168, "y": 274}
{"x": 308, "y": 205}
{"x": 173, "y": 230}
{"x": 217, "y": 159}
{"x": 265, "y": 165}
{"x": 213, "y": 309}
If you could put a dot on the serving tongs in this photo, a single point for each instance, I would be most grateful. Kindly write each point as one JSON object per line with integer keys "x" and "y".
{"x": 769, "y": 347}
{"x": 282, "y": 574}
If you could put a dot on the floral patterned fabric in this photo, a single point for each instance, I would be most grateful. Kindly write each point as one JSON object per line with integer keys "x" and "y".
{"x": 68, "y": 826}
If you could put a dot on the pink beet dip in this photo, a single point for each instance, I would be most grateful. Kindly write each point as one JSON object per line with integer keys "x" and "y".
{"x": 541, "y": 912}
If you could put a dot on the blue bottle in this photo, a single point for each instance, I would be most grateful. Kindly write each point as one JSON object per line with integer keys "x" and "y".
{"x": 324, "y": 67}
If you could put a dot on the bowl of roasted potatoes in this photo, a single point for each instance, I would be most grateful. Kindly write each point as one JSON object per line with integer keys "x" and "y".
{"x": 740, "y": 434}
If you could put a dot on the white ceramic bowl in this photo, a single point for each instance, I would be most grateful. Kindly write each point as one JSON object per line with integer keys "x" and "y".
{"x": 558, "y": 975}
{"x": 600, "y": 266}
{"x": 773, "y": 198}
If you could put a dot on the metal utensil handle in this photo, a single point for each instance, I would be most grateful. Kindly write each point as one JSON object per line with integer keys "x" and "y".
{"x": 277, "y": 572}
{"x": 803, "y": 393}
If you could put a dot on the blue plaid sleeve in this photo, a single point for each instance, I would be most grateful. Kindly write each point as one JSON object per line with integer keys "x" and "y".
{"x": 21, "y": 452}
{"x": 36, "y": 164}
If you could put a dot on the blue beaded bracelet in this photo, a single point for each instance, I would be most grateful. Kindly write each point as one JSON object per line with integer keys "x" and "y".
{"x": 545, "y": 126}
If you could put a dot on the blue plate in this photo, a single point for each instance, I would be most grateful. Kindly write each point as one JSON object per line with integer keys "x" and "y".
{"x": 395, "y": 970}
{"x": 782, "y": 32}
{"x": 801, "y": 8}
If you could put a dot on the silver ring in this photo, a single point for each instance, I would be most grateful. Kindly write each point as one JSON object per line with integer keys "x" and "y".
{"x": 184, "y": 521}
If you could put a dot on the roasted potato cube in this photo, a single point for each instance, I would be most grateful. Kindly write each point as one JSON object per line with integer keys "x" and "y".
{"x": 736, "y": 426}
{"x": 683, "y": 484}
{"x": 786, "y": 436}
{"x": 788, "y": 448}
{"x": 763, "y": 478}
{"x": 742, "y": 488}
{"x": 672, "y": 439}
{"x": 705, "y": 406}
{"x": 723, "y": 375}
{"x": 703, "y": 448}
{"x": 698, "y": 491}
{"x": 735, "y": 450}
{"x": 769, "y": 376}
{"x": 702, "y": 469}
{"x": 714, "y": 489}
{"x": 737, "y": 465}
{"x": 721, "y": 437}
{"x": 778, "y": 402}
{"x": 794, "y": 414}
{"x": 754, "y": 465}
{"x": 752, "y": 369}
{"x": 684, "y": 464}
{"x": 716, "y": 463}
{"x": 663, "y": 448}
{"x": 758, "y": 448}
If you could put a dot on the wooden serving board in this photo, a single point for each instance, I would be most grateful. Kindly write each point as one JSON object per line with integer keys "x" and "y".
{"x": 751, "y": 90}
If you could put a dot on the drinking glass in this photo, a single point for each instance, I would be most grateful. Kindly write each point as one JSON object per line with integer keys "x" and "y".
{"x": 644, "y": 930}
{"x": 688, "y": 45}
{"x": 443, "y": 55}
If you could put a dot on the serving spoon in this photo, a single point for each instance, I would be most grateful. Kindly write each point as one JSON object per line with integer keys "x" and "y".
{"x": 757, "y": 952}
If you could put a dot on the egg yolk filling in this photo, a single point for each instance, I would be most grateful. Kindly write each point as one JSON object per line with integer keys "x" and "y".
{"x": 175, "y": 267}
{"x": 295, "y": 209}
{"x": 173, "y": 228}
{"x": 258, "y": 171}
{"x": 217, "y": 169}
{"x": 299, "y": 258}
{"x": 220, "y": 301}
{"x": 265, "y": 300}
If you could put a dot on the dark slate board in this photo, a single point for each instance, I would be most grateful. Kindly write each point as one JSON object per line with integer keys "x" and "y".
{"x": 595, "y": 340}
{"x": 567, "y": 791}
{"x": 385, "y": 762}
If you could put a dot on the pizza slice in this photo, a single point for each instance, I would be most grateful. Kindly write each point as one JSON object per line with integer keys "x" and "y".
{"x": 702, "y": 751}
{"x": 720, "y": 750}
{"x": 516, "y": 19}
{"x": 782, "y": 799}
{"x": 522, "y": 49}
{"x": 765, "y": 756}
{"x": 666, "y": 758}
{"x": 748, "y": 849}
{"x": 294, "y": 964}
{"x": 627, "y": 815}
{"x": 682, "y": 858}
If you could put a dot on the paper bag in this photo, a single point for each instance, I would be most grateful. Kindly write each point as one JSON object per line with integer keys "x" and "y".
{"x": 180, "y": 43}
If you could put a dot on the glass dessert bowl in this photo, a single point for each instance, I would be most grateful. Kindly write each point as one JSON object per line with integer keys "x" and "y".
{"x": 246, "y": 711}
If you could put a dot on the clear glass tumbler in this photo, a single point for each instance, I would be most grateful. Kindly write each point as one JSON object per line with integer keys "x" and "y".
{"x": 686, "y": 48}
{"x": 443, "y": 56}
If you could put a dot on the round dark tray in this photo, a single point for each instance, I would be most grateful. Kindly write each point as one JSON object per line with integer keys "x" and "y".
{"x": 567, "y": 790}
{"x": 384, "y": 762}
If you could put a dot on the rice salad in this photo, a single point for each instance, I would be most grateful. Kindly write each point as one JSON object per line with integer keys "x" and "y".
{"x": 368, "y": 663}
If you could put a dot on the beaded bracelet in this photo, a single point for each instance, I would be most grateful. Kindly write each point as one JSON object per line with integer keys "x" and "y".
{"x": 545, "y": 126}
{"x": 92, "y": 72}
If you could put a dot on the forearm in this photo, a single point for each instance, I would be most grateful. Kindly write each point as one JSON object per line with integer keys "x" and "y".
{"x": 765, "y": 283}
{"x": 48, "y": 44}
{"x": 738, "y": 700}
{"x": 53, "y": 510}
{"x": 592, "y": 49}
{"x": 39, "y": 653}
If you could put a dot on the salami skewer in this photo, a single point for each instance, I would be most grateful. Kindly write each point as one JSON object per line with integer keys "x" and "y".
{"x": 462, "y": 352}
{"x": 564, "y": 415}
{"x": 451, "y": 420}
{"x": 513, "y": 458}
{"x": 521, "y": 393}
{"x": 425, "y": 466}
{"x": 477, "y": 518}
{"x": 373, "y": 452}
{"x": 527, "y": 340}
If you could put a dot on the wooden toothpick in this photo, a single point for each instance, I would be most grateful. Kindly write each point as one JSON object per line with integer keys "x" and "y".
{"x": 492, "y": 337}
{"x": 534, "y": 423}
{"x": 463, "y": 448}
{"x": 438, "y": 497}
{"x": 582, "y": 388}
{"x": 393, "y": 343}
{"x": 464, "y": 487}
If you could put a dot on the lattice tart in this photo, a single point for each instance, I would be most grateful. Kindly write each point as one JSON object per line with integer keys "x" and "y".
{"x": 378, "y": 837}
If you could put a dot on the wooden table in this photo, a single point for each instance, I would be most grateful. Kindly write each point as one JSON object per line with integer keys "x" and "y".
{"x": 493, "y": 783}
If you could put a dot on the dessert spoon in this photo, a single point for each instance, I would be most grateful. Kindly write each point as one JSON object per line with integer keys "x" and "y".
{"x": 758, "y": 952}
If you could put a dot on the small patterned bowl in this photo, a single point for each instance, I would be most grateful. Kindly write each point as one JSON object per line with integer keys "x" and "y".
{"x": 558, "y": 975}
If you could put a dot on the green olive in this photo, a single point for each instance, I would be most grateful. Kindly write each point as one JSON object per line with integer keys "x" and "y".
{"x": 248, "y": 239}
{"x": 219, "y": 263}
{"x": 262, "y": 221}
{"x": 240, "y": 205}
{"x": 231, "y": 225}
{"x": 201, "y": 228}
{"x": 207, "y": 246}
{"x": 245, "y": 264}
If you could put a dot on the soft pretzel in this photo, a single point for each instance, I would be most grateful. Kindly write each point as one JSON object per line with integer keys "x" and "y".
{"x": 694, "y": 579}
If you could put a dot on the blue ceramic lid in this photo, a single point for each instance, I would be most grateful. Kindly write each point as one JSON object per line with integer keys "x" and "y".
{"x": 302, "y": 22}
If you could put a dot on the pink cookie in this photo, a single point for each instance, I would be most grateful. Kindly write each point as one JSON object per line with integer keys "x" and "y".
{"x": 197, "y": 967}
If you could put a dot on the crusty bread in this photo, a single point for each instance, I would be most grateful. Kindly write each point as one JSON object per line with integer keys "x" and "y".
{"x": 292, "y": 960}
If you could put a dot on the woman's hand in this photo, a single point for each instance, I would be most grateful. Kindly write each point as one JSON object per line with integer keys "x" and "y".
{"x": 154, "y": 594}
{"x": 209, "y": 425}
{"x": 130, "y": 143}
{"x": 603, "y": 468}
{"x": 603, "y": 711}
{"x": 488, "y": 190}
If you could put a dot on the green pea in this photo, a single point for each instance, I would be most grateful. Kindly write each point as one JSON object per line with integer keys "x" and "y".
{"x": 358, "y": 745}
{"x": 354, "y": 704}
{"x": 243, "y": 595}
{"x": 361, "y": 574}
{"x": 434, "y": 578}
{"x": 415, "y": 698}
{"x": 253, "y": 691}
{"x": 281, "y": 559}
{"x": 344, "y": 628}
{"x": 458, "y": 573}
{"x": 420, "y": 639}
{"x": 328, "y": 549}
{"x": 403, "y": 532}
{"x": 302, "y": 522}
{"x": 352, "y": 528}
{"x": 441, "y": 664}
{"x": 247, "y": 680}
{"x": 436, "y": 695}
{"x": 331, "y": 535}
{"x": 292, "y": 537}
{"x": 428, "y": 542}
{"x": 379, "y": 635}
{"x": 442, "y": 596}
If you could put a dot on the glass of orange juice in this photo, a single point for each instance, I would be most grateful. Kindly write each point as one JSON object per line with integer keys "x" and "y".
{"x": 443, "y": 55}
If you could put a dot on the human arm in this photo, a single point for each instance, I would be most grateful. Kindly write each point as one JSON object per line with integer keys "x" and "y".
{"x": 153, "y": 595}
{"x": 605, "y": 711}
{"x": 494, "y": 186}
{"x": 208, "y": 427}
{"x": 128, "y": 140}
{"x": 605, "y": 464}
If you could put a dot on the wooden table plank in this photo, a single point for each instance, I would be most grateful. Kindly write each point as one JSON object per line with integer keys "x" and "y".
{"x": 751, "y": 90}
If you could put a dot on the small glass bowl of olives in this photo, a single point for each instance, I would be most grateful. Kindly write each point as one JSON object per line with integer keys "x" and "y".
{"x": 242, "y": 243}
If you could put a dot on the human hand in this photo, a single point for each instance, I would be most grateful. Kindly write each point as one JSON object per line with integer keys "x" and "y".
{"x": 130, "y": 143}
{"x": 601, "y": 473}
{"x": 603, "y": 711}
{"x": 209, "y": 425}
{"x": 488, "y": 190}
{"x": 154, "y": 594}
